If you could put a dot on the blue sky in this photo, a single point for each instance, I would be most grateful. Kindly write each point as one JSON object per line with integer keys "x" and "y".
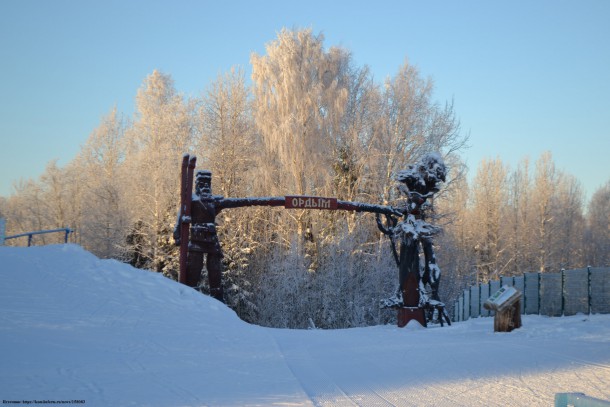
{"x": 525, "y": 76}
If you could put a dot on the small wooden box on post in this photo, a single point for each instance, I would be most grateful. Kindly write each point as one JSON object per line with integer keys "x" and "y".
{"x": 506, "y": 302}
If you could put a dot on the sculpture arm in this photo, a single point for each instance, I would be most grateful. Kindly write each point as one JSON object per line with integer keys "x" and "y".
{"x": 241, "y": 202}
{"x": 364, "y": 207}
{"x": 391, "y": 222}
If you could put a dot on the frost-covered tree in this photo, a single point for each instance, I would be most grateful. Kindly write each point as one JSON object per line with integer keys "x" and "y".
{"x": 353, "y": 131}
{"x": 226, "y": 144}
{"x": 298, "y": 90}
{"x": 162, "y": 130}
{"x": 543, "y": 199}
{"x": 411, "y": 124}
{"x": 518, "y": 221}
{"x": 570, "y": 224}
{"x": 75, "y": 184}
{"x": 598, "y": 221}
{"x": 490, "y": 195}
{"x": 26, "y": 210}
{"x": 456, "y": 244}
{"x": 50, "y": 202}
{"x": 54, "y": 182}
{"x": 100, "y": 165}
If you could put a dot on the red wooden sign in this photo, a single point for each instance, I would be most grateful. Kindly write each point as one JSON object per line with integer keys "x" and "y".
{"x": 310, "y": 202}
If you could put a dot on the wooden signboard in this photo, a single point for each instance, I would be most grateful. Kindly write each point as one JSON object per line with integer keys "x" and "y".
{"x": 503, "y": 298}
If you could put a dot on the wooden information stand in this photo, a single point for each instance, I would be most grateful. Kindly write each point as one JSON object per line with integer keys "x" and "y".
{"x": 506, "y": 302}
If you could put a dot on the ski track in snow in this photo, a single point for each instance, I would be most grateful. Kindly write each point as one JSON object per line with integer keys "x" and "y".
{"x": 76, "y": 327}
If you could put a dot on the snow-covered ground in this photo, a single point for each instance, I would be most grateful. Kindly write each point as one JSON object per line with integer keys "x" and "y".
{"x": 73, "y": 327}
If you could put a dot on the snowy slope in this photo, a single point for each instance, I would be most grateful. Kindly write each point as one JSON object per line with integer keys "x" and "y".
{"x": 73, "y": 327}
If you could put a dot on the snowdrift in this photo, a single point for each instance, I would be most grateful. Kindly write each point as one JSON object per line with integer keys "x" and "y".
{"x": 77, "y": 328}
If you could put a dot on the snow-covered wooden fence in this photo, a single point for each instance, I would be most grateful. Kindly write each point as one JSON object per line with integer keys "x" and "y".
{"x": 568, "y": 292}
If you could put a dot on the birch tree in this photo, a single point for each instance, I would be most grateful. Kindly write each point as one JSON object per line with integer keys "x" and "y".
{"x": 26, "y": 210}
{"x": 519, "y": 219}
{"x": 100, "y": 163}
{"x": 298, "y": 90}
{"x": 457, "y": 242}
{"x": 598, "y": 222}
{"x": 53, "y": 181}
{"x": 489, "y": 193}
{"x": 570, "y": 224}
{"x": 543, "y": 200}
{"x": 411, "y": 124}
{"x": 227, "y": 142}
{"x": 354, "y": 136}
{"x": 162, "y": 131}
{"x": 227, "y": 146}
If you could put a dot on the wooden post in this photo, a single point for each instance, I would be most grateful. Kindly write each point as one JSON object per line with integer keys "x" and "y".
{"x": 406, "y": 314}
{"x": 411, "y": 310}
{"x": 508, "y": 318}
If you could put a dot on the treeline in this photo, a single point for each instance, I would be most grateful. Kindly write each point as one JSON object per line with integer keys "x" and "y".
{"x": 531, "y": 218}
{"x": 311, "y": 122}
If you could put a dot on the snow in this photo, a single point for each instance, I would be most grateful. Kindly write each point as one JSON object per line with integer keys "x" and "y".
{"x": 415, "y": 228}
{"x": 430, "y": 169}
{"x": 74, "y": 327}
